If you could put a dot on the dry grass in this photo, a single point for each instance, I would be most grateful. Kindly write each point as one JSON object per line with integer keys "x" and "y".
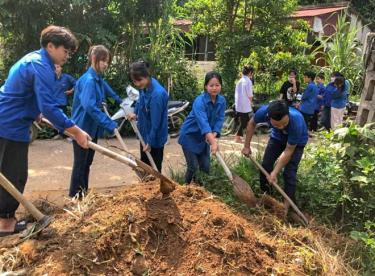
{"x": 320, "y": 251}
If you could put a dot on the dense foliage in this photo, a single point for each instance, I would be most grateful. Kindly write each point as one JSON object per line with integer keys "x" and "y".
{"x": 131, "y": 29}
{"x": 255, "y": 32}
{"x": 342, "y": 52}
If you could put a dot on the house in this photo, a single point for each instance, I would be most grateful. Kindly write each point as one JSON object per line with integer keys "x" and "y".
{"x": 321, "y": 18}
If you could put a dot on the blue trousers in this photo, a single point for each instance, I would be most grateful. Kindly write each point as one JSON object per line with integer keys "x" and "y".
{"x": 83, "y": 158}
{"x": 325, "y": 119}
{"x": 195, "y": 162}
{"x": 273, "y": 150}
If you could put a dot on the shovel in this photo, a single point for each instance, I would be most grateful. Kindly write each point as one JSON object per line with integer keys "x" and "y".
{"x": 42, "y": 220}
{"x": 119, "y": 138}
{"x": 166, "y": 184}
{"x": 281, "y": 191}
{"x": 240, "y": 186}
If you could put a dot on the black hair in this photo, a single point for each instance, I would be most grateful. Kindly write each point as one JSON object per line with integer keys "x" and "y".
{"x": 310, "y": 74}
{"x": 247, "y": 69}
{"x": 100, "y": 52}
{"x": 139, "y": 70}
{"x": 58, "y": 36}
{"x": 339, "y": 82}
{"x": 278, "y": 109}
{"x": 336, "y": 74}
{"x": 294, "y": 71}
{"x": 321, "y": 76}
{"x": 212, "y": 75}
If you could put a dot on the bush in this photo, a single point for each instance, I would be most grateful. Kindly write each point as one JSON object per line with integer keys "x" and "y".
{"x": 366, "y": 246}
{"x": 336, "y": 177}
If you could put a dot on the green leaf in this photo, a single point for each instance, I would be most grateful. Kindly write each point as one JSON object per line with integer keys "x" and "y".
{"x": 360, "y": 178}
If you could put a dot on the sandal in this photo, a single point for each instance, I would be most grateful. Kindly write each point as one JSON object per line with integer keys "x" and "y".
{"x": 20, "y": 226}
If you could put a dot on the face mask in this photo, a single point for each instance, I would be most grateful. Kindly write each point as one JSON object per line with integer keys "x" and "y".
{"x": 333, "y": 79}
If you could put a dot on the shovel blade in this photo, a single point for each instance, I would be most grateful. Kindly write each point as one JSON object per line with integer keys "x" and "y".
{"x": 243, "y": 191}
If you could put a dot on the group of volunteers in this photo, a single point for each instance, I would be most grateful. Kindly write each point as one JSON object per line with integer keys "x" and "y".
{"x": 36, "y": 85}
{"x": 318, "y": 103}
{"x": 290, "y": 118}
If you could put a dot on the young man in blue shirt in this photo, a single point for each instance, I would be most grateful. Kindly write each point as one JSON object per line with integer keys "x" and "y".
{"x": 319, "y": 102}
{"x": 309, "y": 98}
{"x": 28, "y": 92}
{"x": 64, "y": 87}
{"x": 287, "y": 141}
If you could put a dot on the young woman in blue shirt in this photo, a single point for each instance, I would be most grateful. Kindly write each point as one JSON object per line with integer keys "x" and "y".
{"x": 202, "y": 126}
{"x": 151, "y": 112}
{"x": 87, "y": 112}
{"x": 28, "y": 92}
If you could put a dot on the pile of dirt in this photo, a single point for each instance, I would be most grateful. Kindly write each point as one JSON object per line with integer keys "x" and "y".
{"x": 137, "y": 232}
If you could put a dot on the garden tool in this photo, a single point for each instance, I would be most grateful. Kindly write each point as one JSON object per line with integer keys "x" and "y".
{"x": 119, "y": 138}
{"x": 42, "y": 221}
{"x": 117, "y": 133}
{"x": 240, "y": 186}
{"x": 136, "y": 130}
{"x": 166, "y": 185}
{"x": 278, "y": 188}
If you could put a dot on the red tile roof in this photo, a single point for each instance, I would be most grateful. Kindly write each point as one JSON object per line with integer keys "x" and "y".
{"x": 316, "y": 11}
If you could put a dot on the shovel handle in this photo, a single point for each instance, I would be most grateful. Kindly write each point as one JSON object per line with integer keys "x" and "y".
{"x": 9, "y": 187}
{"x": 117, "y": 133}
{"x": 281, "y": 191}
{"x": 136, "y": 130}
{"x": 224, "y": 165}
{"x": 112, "y": 154}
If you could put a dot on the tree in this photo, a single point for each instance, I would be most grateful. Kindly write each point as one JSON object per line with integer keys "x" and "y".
{"x": 125, "y": 26}
{"x": 240, "y": 27}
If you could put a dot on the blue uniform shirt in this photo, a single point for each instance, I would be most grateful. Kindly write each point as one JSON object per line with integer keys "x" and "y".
{"x": 321, "y": 91}
{"x": 90, "y": 92}
{"x": 27, "y": 92}
{"x": 64, "y": 83}
{"x": 340, "y": 97}
{"x": 152, "y": 114}
{"x": 204, "y": 118}
{"x": 309, "y": 98}
{"x": 295, "y": 133}
{"x": 327, "y": 98}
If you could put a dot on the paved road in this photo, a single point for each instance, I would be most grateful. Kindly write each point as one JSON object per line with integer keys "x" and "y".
{"x": 50, "y": 165}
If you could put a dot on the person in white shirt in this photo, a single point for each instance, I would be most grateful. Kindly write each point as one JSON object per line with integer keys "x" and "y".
{"x": 243, "y": 101}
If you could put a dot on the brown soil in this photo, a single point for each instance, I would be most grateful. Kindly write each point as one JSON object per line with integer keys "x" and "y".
{"x": 138, "y": 232}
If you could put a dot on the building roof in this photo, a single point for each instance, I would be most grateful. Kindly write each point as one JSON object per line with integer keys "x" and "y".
{"x": 316, "y": 11}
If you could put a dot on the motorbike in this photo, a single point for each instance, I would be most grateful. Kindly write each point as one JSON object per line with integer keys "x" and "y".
{"x": 176, "y": 111}
{"x": 34, "y": 131}
{"x": 229, "y": 126}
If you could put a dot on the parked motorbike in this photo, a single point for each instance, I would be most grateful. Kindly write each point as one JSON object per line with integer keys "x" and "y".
{"x": 34, "y": 130}
{"x": 176, "y": 111}
{"x": 229, "y": 126}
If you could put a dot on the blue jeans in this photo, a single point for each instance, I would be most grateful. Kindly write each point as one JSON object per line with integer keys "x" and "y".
{"x": 196, "y": 161}
{"x": 273, "y": 150}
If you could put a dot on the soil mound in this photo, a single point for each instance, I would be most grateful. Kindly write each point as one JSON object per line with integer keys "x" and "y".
{"x": 138, "y": 232}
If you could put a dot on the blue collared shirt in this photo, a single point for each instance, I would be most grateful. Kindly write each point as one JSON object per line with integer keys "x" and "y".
{"x": 152, "y": 114}
{"x": 90, "y": 93}
{"x": 327, "y": 97}
{"x": 309, "y": 98}
{"x": 204, "y": 118}
{"x": 27, "y": 92}
{"x": 63, "y": 84}
{"x": 295, "y": 133}
{"x": 319, "y": 101}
